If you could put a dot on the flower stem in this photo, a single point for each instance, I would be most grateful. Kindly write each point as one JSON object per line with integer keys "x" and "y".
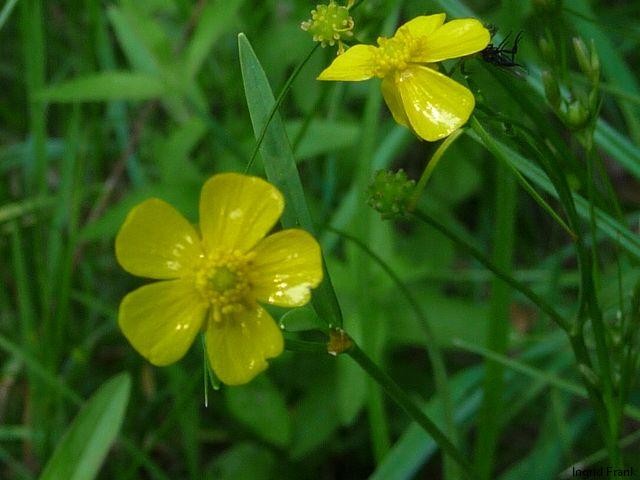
{"x": 399, "y": 396}
{"x": 484, "y": 260}
{"x": 433, "y": 349}
{"x": 430, "y": 168}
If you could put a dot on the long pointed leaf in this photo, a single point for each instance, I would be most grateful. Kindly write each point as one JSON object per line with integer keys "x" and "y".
{"x": 280, "y": 166}
{"x": 85, "y": 445}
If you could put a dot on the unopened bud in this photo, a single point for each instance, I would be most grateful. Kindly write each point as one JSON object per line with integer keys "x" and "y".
{"x": 551, "y": 89}
{"x": 548, "y": 50}
{"x": 588, "y": 61}
{"x": 576, "y": 116}
{"x": 595, "y": 63}
{"x": 582, "y": 55}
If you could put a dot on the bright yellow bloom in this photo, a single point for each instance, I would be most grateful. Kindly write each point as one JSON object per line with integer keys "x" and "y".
{"x": 213, "y": 279}
{"x": 419, "y": 97}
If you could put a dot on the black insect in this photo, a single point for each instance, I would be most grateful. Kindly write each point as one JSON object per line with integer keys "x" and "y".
{"x": 502, "y": 55}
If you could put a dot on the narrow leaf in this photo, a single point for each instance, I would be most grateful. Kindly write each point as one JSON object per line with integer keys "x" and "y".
{"x": 215, "y": 20}
{"x": 280, "y": 166}
{"x": 86, "y": 443}
{"x": 105, "y": 86}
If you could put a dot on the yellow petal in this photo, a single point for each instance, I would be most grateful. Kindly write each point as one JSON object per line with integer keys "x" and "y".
{"x": 236, "y": 211}
{"x": 155, "y": 241}
{"x": 239, "y": 345}
{"x": 435, "y": 104}
{"x": 393, "y": 100}
{"x": 161, "y": 320}
{"x": 452, "y": 40}
{"x": 354, "y": 65}
{"x": 423, "y": 25}
{"x": 286, "y": 266}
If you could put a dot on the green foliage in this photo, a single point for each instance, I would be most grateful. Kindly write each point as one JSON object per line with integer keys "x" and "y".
{"x": 84, "y": 446}
{"x": 106, "y": 104}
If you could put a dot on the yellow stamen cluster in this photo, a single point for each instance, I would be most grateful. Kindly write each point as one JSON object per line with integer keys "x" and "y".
{"x": 330, "y": 24}
{"x": 222, "y": 279}
{"x": 394, "y": 54}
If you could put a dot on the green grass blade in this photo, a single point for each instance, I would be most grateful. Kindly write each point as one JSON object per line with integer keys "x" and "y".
{"x": 619, "y": 147}
{"x": 215, "y": 20}
{"x": 85, "y": 445}
{"x": 280, "y": 166}
{"x": 105, "y": 86}
{"x": 605, "y": 222}
{"x": 6, "y": 11}
{"x": 138, "y": 54}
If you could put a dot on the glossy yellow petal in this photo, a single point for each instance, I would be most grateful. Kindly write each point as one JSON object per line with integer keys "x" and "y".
{"x": 240, "y": 343}
{"x": 357, "y": 63}
{"x": 423, "y": 25}
{"x": 435, "y": 104}
{"x": 236, "y": 211}
{"x": 394, "y": 102}
{"x": 287, "y": 265}
{"x": 155, "y": 241}
{"x": 454, "y": 39}
{"x": 161, "y": 320}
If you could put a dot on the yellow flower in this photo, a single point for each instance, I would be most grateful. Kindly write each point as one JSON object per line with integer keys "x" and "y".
{"x": 213, "y": 279}
{"x": 419, "y": 97}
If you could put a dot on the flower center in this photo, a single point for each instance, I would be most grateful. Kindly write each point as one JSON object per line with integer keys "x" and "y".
{"x": 222, "y": 279}
{"x": 394, "y": 54}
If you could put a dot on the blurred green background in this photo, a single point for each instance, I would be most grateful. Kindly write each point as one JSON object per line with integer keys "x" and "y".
{"x": 107, "y": 103}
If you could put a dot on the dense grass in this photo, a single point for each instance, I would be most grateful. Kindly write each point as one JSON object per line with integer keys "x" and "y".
{"x": 527, "y": 226}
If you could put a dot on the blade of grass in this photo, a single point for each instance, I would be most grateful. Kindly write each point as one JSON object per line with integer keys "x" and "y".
{"x": 85, "y": 445}
{"x": 553, "y": 380}
{"x": 216, "y": 18}
{"x": 280, "y": 166}
{"x": 490, "y": 418}
{"x": 6, "y": 11}
{"x": 606, "y": 223}
{"x": 103, "y": 87}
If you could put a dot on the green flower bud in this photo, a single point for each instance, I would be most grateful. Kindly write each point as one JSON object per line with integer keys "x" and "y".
{"x": 582, "y": 55}
{"x": 576, "y": 116}
{"x": 548, "y": 50}
{"x": 551, "y": 89}
{"x": 595, "y": 63}
{"x": 330, "y": 24}
{"x": 588, "y": 61}
{"x": 390, "y": 194}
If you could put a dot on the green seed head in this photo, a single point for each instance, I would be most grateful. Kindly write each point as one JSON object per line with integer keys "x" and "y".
{"x": 390, "y": 194}
{"x": 330, "y": 24}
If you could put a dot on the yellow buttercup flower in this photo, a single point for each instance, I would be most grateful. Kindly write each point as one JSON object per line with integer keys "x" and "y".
{"x": 419, "y": 97}
{"x": 212, "y": 280}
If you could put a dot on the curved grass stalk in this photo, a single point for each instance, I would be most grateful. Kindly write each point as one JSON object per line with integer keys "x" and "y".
{"x": 433, "y": 349}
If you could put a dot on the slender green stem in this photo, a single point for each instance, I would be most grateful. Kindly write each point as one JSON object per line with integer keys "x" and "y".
{"x": 493, "y": 147}
{"x": 433, "y": 349}
{"x": 491, "y": 412}
{"x": 363, "y": 227}
{"x": 276, "y": 105}
{"x": 589, "y": 264}
{"x": 403, "y": 400}
{"x": 602, "y": 453}
{"x": 500, "y": 273}
{"x": 430, "y": 168}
